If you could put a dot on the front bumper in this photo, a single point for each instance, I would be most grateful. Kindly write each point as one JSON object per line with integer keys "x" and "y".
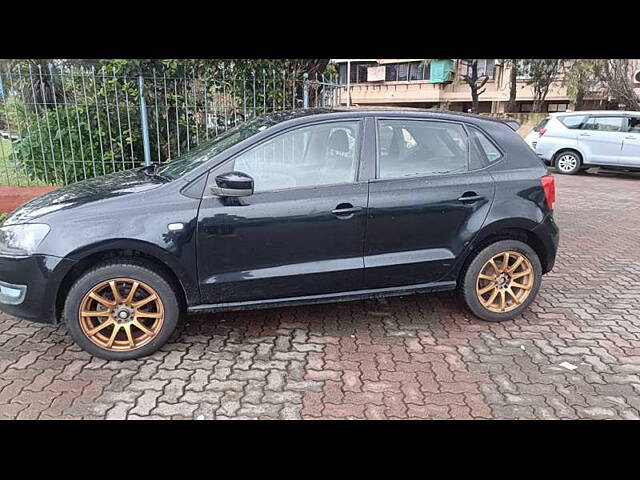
{"x": 29, "y": 285}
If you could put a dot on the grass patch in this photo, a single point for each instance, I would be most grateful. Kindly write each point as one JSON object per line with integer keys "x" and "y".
{"x": 10, "y": 173}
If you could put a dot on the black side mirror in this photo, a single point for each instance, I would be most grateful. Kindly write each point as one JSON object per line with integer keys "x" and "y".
{"x": 233, "y": 184}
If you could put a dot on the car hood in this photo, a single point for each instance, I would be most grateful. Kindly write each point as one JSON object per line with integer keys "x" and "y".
{"x": 84, "y": 192}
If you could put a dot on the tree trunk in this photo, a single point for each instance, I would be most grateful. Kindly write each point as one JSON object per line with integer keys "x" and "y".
{"x": 475, "y": 104}
{"x": 579, "y": 103}
{"x": 511, "y": 106}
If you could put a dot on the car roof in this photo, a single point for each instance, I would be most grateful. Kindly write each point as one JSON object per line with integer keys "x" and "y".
{"x": 377, "y": 110}
{"x": 595, "y": 112}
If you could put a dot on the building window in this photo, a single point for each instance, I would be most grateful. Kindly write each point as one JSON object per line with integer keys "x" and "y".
{"x": 392, "y": 73}
{"x": 419, "y": 71}
{"x": 557, "y": 107}
{"x": 485, "y": 67}
{"x": 526, "y": 107}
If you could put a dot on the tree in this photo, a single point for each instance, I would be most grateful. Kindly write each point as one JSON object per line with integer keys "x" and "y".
{"x": 476, "y": 82}
{"x": 581, "y": 78}
{"x": 615, "y": 75}
{"x": 542, "y": 73}
{"x": 513, "y": 64}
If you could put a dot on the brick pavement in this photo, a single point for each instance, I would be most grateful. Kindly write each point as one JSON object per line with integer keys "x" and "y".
{"x": 418, "y": 356}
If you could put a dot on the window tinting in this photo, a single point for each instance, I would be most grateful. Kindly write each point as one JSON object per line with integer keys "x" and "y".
{"x": 573, "y": 121}
{"x": 487, "y": 148}
{"x": 415, "y": 147}
{"x": 315, "y": 155}
{"x": 604, "y": 124}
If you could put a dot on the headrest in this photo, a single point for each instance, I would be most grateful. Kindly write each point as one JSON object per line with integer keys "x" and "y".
{"x": 339, "y": 141}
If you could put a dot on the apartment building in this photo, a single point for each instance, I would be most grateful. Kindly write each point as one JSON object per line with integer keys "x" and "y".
{"x": 439, "y": 84}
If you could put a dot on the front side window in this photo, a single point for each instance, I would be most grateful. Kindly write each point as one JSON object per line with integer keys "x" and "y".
{"x": 315, "y": 155}
{"x": 604, "y": 124}
{"x": 416, "y": 147}
{"x": 633, "y": 125}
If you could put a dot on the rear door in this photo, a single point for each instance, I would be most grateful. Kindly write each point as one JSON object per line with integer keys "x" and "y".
{"x": 426, "y": 202}
{"x": 631, "y": 143}
{"x": 601, "y": 138}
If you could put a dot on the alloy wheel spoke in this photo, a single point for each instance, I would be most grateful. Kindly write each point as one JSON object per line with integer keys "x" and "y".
{"x": 492, "y": 298}
{"x": 516, "y": 264}
{"x": 95, "y": 313}
{"x": 513, "y": 295}
{"x": 503, "y": 300}
{"x": 139, "y": 314}
{"x": 127, "y": 330}
{"x": 495, "y": 267}
{"x": 144, "y": 301}
{"x": 486, "y": 289}
{"x": 505, "y": 261}
{"x": 116, "y": 294}
{"x": 132, "y": 292}
{"x": 116, "y": 329}
{"x": 100, "y": 327}
{"x": 144, "y": 329}
{"x": 520, "y": 285}
{"x": 482, "y": 276}
{"x": 520, "y": 274}
{"x": 107, "y": 303}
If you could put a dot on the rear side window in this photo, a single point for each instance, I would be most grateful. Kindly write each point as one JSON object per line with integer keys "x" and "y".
{"x": 542, "y": 124}
{"x": 573, "y": 122}
{"x": 421, "y": 147}
{"x": 487, "y": 148}
{"x": 604, "y": 124}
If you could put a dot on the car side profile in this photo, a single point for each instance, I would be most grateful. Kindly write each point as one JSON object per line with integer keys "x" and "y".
{"x": 578, "y": 140}
{"x": 295, "y": 207}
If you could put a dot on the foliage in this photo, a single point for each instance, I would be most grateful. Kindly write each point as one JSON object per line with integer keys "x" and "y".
{"x": 542, "y": 73}
{"x": 65, "y": 111}
{"x": 580, "y": 78}
{"x": 615, "y": 75}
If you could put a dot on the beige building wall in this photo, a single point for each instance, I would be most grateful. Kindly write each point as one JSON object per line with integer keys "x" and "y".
{"x": 446, "y": 95}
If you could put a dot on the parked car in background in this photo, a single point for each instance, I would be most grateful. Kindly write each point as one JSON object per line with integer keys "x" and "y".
{"x": 578, "y": 140}
{"x": 297, "y": 207}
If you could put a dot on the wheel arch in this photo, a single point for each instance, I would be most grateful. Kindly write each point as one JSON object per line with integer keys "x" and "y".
{"x": 156, "y": 258}
{"x": 516, "y": 229}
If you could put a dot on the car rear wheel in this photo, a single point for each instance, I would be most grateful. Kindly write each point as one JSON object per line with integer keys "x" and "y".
{"x": 121, "y": 311}
{"x": 568, "y": 163}
{"x": 501, "y": 281}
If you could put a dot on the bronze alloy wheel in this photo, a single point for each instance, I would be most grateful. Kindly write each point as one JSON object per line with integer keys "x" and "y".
{"x": 121, "y": 314}
{"x": 504, "y": 282}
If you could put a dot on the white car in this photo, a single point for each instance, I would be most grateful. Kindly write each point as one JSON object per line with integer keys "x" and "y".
{"x": 572, "y": 141}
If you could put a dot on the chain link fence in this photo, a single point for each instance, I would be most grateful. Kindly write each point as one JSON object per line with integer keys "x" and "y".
{"x": 60, "y": 125}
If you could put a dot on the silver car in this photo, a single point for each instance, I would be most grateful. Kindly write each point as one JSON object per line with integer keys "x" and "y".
{"x": 572, "y": 141}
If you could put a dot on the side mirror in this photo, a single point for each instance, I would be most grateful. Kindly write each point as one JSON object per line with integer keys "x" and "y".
{"x": 233, "y": 184}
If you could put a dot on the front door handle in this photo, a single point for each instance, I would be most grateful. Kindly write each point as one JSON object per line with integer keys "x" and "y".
{"x": 470, "y": 197}
{"x": 345, "y": 210}
{"x": 631, "y": 138}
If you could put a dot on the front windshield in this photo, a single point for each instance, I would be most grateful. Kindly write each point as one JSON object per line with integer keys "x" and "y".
{"x": 210, "y": 148}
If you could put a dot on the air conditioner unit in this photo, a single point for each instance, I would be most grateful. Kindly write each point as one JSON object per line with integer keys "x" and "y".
{"x": 636, "y": 77}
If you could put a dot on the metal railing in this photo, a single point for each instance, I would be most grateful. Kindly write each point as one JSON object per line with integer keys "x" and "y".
{"x": 62, "y": 124}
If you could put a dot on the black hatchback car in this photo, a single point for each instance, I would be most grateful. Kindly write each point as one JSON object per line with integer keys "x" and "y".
{"x": 295, "y": 207}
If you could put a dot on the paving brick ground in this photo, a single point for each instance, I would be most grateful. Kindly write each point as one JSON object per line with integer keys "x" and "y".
{"x": 409, "y": 357}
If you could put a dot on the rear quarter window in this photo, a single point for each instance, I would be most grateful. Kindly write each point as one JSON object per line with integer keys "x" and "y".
{"x": 485, "y": 147}
{"x": 573, "y": 122}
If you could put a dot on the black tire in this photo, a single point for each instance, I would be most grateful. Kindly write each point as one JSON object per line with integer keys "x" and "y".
{"x": 137, "y": 271}
{"x": 469, "y": 279}
{"x": 568, "y": 162}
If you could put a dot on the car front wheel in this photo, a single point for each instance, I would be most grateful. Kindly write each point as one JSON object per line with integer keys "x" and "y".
{"x": 501, "y": 281}
{"x": 121, "y": 311}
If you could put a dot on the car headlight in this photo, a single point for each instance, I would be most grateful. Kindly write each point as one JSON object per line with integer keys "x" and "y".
{"x": 19, "y": 240}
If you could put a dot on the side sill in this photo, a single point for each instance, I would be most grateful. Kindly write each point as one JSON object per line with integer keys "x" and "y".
{"x": 325, "y": 298}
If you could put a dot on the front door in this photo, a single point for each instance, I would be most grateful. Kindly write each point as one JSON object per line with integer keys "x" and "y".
{"x": 426, "y": 203}
{"x": 601, "y": 139}
{"x": 302, "y": 231}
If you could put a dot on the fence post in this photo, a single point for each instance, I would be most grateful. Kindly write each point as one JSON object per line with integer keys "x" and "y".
{"x": 305, "y": 90}
{"x": 145, "y": 126}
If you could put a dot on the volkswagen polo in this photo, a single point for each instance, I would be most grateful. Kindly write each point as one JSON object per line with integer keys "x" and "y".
{"x": 295, "y": 207}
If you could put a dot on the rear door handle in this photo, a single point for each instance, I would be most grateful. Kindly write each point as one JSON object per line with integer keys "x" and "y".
{"x": 630, "y": 138}
{"x": 585, "y": 134}
{"x": 470, "y": 197}
{"x": 345, "y": 209}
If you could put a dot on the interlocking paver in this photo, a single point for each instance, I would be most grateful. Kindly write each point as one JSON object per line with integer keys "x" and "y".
{"x": 418, "y": 356}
